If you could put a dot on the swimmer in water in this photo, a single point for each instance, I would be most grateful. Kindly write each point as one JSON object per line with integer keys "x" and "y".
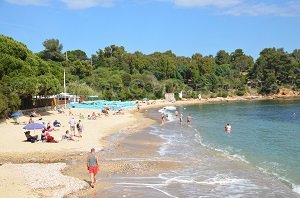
{"x": 176, "y": 113}
{"x": 188, "y": 119}
{"x": 162, "y": 119}
{"x": 181, "y": 118}
{"x": 228, "y": 128}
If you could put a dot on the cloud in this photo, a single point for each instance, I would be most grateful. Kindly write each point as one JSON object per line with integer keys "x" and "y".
{"x": 29, "y": 2}
{"x": 84, "y": 4}
{"x": 242, "y": 7}
{"x": 202, "y": 3}
{"x": 263, "y": 9}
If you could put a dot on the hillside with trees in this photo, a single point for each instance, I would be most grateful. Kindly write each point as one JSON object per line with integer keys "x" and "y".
{"x": 113, "y": 73}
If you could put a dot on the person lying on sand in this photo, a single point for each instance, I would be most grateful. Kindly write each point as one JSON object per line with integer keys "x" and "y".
{"x": 34, "y": 114}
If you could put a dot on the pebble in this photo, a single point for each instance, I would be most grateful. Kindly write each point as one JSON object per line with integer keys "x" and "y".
{"x": 44, "y": 176}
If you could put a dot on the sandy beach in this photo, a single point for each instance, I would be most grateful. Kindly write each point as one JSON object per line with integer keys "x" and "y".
{"x": 14, "y": 149}
{"x": 16, "y": 155}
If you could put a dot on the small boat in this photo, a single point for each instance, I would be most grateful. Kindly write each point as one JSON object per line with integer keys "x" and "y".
{"x": 170, "y": 108}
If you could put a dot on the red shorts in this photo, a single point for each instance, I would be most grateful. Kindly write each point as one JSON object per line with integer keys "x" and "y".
{"x": 93, "y": 169}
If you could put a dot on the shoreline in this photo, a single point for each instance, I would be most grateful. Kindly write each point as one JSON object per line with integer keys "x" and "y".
{"x": 137, "y": 122}
{"x": 47, "y": 157}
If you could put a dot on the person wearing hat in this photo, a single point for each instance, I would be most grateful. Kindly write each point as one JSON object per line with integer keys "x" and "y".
{"x": 92, "y": 166}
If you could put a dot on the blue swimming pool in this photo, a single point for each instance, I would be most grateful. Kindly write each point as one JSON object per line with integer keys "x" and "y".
{"x": 99, "y": 104}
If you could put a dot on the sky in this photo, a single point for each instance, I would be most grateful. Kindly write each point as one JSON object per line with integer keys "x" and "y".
{"x": 183, "y": 26}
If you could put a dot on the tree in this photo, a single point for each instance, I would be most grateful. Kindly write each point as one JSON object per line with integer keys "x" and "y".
{"x": 74, "y": 55}
{"x": 222, "y": 57}
{"x": 52, "y": 50}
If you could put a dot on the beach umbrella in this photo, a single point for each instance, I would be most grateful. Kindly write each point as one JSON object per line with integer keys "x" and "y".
{"x": 34, "y": 126}
{"x": 16, "y": 114}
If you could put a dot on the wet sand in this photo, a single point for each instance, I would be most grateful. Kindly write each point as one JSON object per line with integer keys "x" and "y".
{"x": 133, "y": 155}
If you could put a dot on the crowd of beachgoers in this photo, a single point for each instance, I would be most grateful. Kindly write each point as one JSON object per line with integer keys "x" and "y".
{"x": 76, "y": 128}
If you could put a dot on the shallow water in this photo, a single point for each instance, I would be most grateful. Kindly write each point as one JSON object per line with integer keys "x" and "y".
{"x": 260, "y": 158}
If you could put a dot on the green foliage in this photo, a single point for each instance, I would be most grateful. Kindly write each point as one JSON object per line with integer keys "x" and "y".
{"x": 52, "y": 50}
{"x": 115, "y": 74}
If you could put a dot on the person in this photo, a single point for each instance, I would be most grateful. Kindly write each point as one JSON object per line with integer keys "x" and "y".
{"x": 181, "y": 118}
{"x": 228, "y": 128}
{"x": 30, "y": 138}
{"x": 138, "y": 107}
{"x": 105, "y": 111}
{"x": 34, "y": 114}
{"x": 92, "y": 166}
{"x": 188, "y": 118}
{"x": 94, "y": 116}
{"x": 56, "y": 123}
{"x": 79, "y": 128}
{"x": 49, "y": 128}
{"x": 43, "y": 135}
{"x": 46, "y": 137}
{"x": 162, "y": 119}
{"x": 72, "y": 123}
{"x": 176, "y": 113}
{"x": 67, "y": 136}
{"x": 30, "y": 120}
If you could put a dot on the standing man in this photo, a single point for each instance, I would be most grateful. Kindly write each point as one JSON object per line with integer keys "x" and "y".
{"x": 92, "y": 166}
{"x": 72, "y": 123}
{"x": 79, "y": 128}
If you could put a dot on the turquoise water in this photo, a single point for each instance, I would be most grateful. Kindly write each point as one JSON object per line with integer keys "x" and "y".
{"x": 99, "y": 104}
{"x": 259, "y": 158}
{"x": 265, "y": 134}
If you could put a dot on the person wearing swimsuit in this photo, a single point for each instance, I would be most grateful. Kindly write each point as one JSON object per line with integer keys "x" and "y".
{"x": 92, "y": 166}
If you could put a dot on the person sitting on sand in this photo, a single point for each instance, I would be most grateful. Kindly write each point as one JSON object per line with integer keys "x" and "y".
{"x": 30, "y": 120}
{"x": 43, "y": 135}
{"x": 105, "y": 112}
{"x": 56, "y": 124}
{"x": 60, "y": 110}
{"x": 67, "y": 136}
{"x": 50, "y": 139}
{"x": 92, "y": 166}
{"x": 94, "y": 116}
{"x": 30, "y": 138}
{"x": 49, "y": 127}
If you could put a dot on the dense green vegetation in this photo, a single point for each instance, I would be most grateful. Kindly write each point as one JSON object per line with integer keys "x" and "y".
{"x": 115, "y": 74}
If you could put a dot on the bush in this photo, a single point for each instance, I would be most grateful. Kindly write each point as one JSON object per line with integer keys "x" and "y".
{"x": 240, "y": 92}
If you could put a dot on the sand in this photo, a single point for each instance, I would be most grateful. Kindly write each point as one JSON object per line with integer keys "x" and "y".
{"x": 13, "y": 149}
{"x": 12, "y": 136}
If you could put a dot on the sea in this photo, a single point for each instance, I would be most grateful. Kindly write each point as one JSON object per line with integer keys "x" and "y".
{"x": 260, "y": 157}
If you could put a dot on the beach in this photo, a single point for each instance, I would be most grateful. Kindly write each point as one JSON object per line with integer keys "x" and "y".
{"x": 121, "y": 146}
{"x": 15, "y": 150}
